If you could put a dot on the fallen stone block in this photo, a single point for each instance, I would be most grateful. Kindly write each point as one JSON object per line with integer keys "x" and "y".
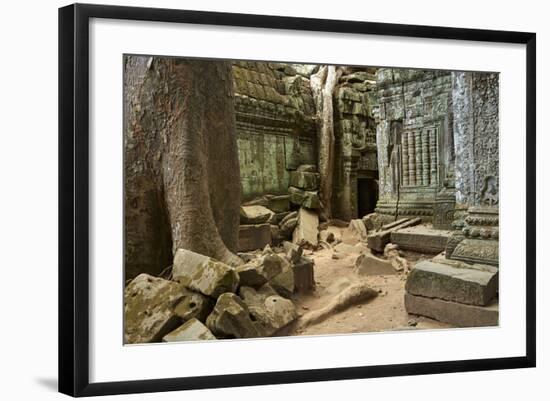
{"x": 304, "y": 275}
{"x": 288, "y": 224}
{"x": 192, "y": 330}
{"x": 372, "y": 222}
{"x": 203, "y": 274}
{"x": 293, "y": 252}
{"x": 269, "y": 311}
{"x": 255, "y": 214}
{"x": 304, "y": 180}
{"x": 276, "y": 237}
{"x": 306, "y": 231}
{"x": 421, "y": 239}
{"x": 149, "y": 308}
{"x": 378, "y": 240}
{"x": 193, "y": 305}
{"x": 347, "y": 249}
{"x": 369, "y": 265}
{"x": 358, "y": 229}
{"x": 276, "y": 218}
{"x": 392, "y": 254}
{"x": 283, "y": 283}
{"x": 393, "y": 224}
{"x": 457, "y": 314}
{"x": 231, "y": 318}
{"x": 279, "y": 203}
{"x": 300, "y": 197}
{"x": 253, "y": 237}
{"x": 437, "y": 280}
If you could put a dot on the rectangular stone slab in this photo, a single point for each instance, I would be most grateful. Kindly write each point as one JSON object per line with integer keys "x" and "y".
{"x": 454, "y": 313}
{"x": 438, "y": 280}
{"x": 252, "y": 237}
{"x": 378, "y": 240}
{"x": 421, "y": 239}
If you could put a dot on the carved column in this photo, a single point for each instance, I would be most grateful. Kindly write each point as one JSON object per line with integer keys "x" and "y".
{"x": 405, "y": 159}
{"x": 418, "y": 154}
{"x": 425, "y": 159}
{"x": 412, "y": 170}
{"x": 433, "y": 156}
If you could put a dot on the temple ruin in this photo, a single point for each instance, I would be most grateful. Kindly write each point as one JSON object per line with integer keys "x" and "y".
{"x": 409, "y": 239}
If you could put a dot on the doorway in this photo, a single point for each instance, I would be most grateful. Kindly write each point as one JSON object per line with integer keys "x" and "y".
{"x": 367, "y": 196}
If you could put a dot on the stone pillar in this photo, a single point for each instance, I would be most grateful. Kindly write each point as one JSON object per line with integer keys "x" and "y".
{"x": 405, "y": 159}
{"x": 425, "y": 159}
{"x": 418, "y": 154}
{"x": 412, "y": 160}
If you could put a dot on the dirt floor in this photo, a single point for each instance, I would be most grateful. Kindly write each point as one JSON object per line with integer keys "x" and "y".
{"x": 383, "y": 313}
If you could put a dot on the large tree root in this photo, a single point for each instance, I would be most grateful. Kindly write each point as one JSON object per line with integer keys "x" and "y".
{"x": 352, "y": 295}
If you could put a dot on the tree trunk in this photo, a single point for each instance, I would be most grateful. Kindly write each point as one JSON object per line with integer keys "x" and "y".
{"x": 182, "y": 180}
{"x": 322, "y": 85}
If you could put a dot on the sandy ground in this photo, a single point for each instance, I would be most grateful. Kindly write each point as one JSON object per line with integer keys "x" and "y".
{"x": 383, "y": 313}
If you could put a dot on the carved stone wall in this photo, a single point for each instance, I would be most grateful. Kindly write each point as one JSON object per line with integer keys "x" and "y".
{"x": 414, "y": 131}
{"x": 355, "y": 137}
{"x": 476, "y": 136}
{"x": 275, "y": 125}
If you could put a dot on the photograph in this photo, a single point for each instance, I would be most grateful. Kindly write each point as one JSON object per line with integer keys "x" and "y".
{"x": 271, "y": 198}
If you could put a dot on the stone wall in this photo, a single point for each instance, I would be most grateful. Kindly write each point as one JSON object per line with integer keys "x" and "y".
{"x": 275, "y": 125}
{"x": 414, "y": 140}
{"x": 355, "y": 138}
{"x": 476, "y": 137}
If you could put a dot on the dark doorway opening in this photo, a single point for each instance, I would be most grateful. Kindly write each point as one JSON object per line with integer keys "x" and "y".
{"x": 367, "y": 196}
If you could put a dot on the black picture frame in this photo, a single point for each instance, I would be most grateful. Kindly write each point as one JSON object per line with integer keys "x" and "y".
{"x": 74, "y": 198}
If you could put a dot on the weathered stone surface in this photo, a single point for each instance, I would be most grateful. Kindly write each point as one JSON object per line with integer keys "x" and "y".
{"x": 192, "y": 330}
{"x": 255, "y": 214}
{"x": 392, "y": 254}
{"x": 369, "y": 265}
{"x": 306, "y": 231}
{"x": 203, "y": 274}
{"x": 304, "y": 180}
{"x": 309, "y": 199}
{"x": 358, "y": 229}
{"x": 288, "y": 227}
{"x": 293, "y": 252}
{"x": 276, "y": 237}
{"x": 347, "y": 249}
{"x": 468, "y": 286}
{"x": 477, "y": 251}
{"x": 231, "y": 318}
{"x": 193, "y": 305}
{"x": 454, "y": 313}
{"x": 253, "y": 237}
{"x": 268, "y": 310}
{"x": 278, "y": 217}
{"x": 307, "y": 168}
{"x": 304, "y": 275}
{"x": 149, "y": 308}
{"x": 421, "y": 239}
{"x": 378, "y": 240}
{"x": 372, "y": 222}
{"x": 278, "y": 204}
{"x": 250, "y": 275}
{"x": 283, "y": 283}
{"x": 261, "y": 270}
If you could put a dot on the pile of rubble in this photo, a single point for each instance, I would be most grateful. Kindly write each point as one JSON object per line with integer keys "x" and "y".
{"x": 207, "y": 299}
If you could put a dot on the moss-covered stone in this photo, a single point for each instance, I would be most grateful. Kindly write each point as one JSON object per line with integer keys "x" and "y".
{"x": 192, "y": 330}
{"x": 149, "y": 308}
{"x": 231, "y": 318}
{"x": 203, "y": 274}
